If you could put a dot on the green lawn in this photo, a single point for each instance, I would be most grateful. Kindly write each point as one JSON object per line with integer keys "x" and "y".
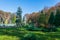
{"x": 20, "y": 33}
{"x": 6, "y": 37}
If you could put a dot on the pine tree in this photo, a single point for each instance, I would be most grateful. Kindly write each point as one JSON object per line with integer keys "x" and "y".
{"x": 19, "y": 17}
{"x": 57, "y": 18}
{"x": 51, "y": 19}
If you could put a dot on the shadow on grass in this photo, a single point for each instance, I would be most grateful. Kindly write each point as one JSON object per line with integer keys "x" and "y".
{"x": 11, "y": 32}
{"x": 22, "y": 34}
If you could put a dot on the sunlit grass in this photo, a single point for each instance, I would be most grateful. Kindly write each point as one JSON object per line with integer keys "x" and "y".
{"x": 5, "y": 37}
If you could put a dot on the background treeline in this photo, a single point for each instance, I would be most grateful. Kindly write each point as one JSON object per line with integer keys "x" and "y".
{"x": 47, "y": 18}
{"x": 7, "y": 17}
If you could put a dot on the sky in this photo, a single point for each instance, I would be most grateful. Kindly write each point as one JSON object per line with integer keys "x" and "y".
{"x": 28, "y": 6}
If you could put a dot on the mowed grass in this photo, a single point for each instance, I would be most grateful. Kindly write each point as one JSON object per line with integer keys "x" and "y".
{"x": 5, "y": 37}
{"x": 19, "y": 33}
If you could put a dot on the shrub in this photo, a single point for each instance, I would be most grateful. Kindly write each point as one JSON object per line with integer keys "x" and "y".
{"x": 49, "y": 29}
{"x": 26, "y": 26}
{"x": 32, "y": 36}
{"x": 29, "y": 37}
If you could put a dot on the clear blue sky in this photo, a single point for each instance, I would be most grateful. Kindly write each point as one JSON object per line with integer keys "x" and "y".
{"x": 28, "y": 6}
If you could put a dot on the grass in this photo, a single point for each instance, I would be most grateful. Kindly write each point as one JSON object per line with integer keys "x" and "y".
{"x": 6, "y": 37}
{"x": 19, "y": 33}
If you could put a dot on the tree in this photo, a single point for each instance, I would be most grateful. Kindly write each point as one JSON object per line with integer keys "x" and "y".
{"x": 13, "y": 18}
{"x": 57, "y": 18}
{"x": 33, "y": 19}
{"x": 42, "y": 19}
{"x": 51, "y": 19}
{"x": 50, "y": 22}
{"x": 19, "y": 17}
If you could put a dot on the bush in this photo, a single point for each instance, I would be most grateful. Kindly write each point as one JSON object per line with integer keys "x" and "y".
{"x": 29, "y": 37}
{"x": 32, "y": 36}
{"x": 49, "y": 29}
{"x": 29, "y": 27}
{"x": 26, "y": 26}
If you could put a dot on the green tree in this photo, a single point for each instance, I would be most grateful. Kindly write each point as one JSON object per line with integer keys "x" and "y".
{"x": 50, "y": 22}
{"x": 57, "y": 18}
{"x": 42, "y": 19}
{"x": 13, "y": 18}
{"x": 51, "y": 19}
{"x": 19, "y": 16}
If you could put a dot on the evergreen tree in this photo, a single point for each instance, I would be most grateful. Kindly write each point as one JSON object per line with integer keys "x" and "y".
{"x": 51, "y": 19}
{"x": 19, "y": 17}
{"x": 57, "y": 18}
